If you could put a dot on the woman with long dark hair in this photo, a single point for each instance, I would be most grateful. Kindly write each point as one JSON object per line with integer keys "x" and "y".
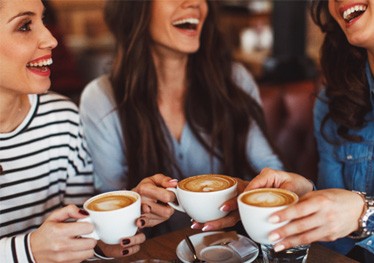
{"x": 174, "y": 102}
{"x": 343, "y": 211}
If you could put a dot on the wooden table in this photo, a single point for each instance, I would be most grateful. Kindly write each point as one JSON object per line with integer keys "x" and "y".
{"x": 164, "y": 247}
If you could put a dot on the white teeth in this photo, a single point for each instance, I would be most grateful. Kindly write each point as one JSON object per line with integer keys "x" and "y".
{"x": 41, "y": 63}
{"x": 352, "y": 10}
{"x": 186, "y": 20}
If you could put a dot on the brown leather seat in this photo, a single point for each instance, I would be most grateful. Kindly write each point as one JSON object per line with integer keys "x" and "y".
{"x": 288, "y": 112}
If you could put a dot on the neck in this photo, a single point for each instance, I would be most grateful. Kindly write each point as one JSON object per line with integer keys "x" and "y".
{"x": 171, "y": 71}
{"x": 13, "y": 110}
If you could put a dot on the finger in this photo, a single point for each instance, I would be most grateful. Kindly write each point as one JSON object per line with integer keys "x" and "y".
{"x": 230, "y": 205}
{"x": 155, "y": 192}
{"x": 159, "y": 209}
{"x": 134, "y": 240}
{"x": 81, "y": 244}
{"x": 296, "y": 227}
{"x": 130, "y": 250}
{"x": 161, "y": 180}
{"x": 308, "y": 237}
{"x": 67, "y": 212}
{"x": 150, "y": 220}
{"x": 266, "y": 178}
{"x": 117, "y": 251}
{"x": 301, "y": 209}
{"x": 228, "y": 221}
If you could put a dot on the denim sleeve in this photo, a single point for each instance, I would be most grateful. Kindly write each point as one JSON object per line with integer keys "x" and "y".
{"x": 329, "y": 169}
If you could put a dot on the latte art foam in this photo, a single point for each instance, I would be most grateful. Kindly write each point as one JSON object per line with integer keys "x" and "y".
{"x": 268, "y": 198}
{"x": 206, "y": 183}
{"x": 111, "y": 202}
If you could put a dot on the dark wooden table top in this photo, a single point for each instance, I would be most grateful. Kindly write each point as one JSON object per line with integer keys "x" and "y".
{"x": 164, "y": 247}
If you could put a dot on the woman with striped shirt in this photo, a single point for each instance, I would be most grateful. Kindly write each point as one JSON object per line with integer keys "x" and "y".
{"x": 44, "y": 163}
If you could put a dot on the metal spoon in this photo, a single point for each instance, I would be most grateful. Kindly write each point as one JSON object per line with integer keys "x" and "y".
{"x": 192, "y": 248}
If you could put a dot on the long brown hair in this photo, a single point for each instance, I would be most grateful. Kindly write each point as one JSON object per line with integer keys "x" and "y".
{"x": 214, "y": 105}
{"x": 343, "y": 68}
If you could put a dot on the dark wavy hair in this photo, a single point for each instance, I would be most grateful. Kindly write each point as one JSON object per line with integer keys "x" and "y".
{"x": 343, "y": 69}
{"x": 214, "y": 105}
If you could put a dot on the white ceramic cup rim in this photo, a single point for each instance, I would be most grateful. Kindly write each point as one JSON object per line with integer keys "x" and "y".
{"x": 209, "y": 192}
{"x": 270, "y": 189}
{"x": 119, "y": 192}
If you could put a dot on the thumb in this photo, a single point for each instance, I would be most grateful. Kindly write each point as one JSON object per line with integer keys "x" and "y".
{"x": 67, "y": 212}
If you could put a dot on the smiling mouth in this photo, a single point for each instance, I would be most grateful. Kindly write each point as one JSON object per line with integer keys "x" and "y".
{"x": 353, "y": 12}
{"x": 41, "y": 65}
{"x": 188, "y": 23}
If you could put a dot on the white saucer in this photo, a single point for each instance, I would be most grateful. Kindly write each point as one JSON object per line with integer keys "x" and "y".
{"x": 214, "y": 253}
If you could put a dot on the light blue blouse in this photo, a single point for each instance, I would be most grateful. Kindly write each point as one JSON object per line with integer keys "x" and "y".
{"x": 347, "y": 165}
{"x": 105, "y": 141}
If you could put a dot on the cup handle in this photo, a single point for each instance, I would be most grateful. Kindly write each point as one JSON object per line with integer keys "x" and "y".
{"x": 174, "y": 205}
{"x": 93, "y": 234}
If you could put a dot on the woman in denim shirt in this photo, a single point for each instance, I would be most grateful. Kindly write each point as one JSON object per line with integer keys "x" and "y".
{"x": 344, "y": 130}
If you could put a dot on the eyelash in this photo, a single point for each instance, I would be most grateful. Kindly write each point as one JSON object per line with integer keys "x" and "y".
{"x": 25, "y": 27}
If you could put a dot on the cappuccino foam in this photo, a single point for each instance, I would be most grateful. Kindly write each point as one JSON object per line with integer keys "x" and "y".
{"x": 110, "y": 202}
{"x": 206, "y": 183}
{"x": 269, "y": 198}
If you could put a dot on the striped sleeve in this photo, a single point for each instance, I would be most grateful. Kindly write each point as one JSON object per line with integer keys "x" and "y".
{"x": 79, "y": 185}
{"x": 16, "y": 249}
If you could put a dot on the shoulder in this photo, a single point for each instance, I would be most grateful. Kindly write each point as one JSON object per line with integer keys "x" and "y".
{"x": 244, "y": 79}
{"x": 99, "y": 86}
{"x": 54, "y": 104}
{"x": 98, "y": 96}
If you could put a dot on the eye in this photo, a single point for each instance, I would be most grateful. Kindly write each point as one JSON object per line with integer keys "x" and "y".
{"x": 25, "y": 26}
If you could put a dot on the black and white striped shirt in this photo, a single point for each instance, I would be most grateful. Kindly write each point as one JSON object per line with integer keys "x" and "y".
{"x": 44, "y": 165}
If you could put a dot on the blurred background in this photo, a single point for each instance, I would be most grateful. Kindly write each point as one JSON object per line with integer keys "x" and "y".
{"x": 275, "y": 39}
{"x": 258, "y": 30}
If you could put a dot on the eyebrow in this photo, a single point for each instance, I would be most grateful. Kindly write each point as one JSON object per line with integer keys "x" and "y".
{"x": 27, "y": 13}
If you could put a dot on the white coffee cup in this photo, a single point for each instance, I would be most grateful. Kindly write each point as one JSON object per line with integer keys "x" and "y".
{"x": 113, "y": 215}
{"x": 203, "y": 202}
{"x": 256, "y": 206}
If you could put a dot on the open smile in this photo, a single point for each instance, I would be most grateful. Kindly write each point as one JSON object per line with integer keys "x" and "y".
{"x": 41, "y": 65}
{"x": 353, "y": 12}
{"x": 187, "y": 23}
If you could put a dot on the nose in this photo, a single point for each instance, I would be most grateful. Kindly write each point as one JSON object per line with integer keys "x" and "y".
{"x": 193, "y": 3}
{"x": 47, "y": 40}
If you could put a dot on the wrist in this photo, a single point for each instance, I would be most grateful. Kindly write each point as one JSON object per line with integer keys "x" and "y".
{"x": 367, "y": 214}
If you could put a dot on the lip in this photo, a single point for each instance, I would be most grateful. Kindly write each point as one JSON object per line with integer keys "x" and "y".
{"x": 40, "y": 71}
{"x": 46, "y": 72}
{"x": 189, "y": 32}
{"x": 41, "y": 58}
{"x": 348, "y": 6}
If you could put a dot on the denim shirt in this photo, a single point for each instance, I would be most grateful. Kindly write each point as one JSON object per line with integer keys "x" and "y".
{"x": 347, "y": 165}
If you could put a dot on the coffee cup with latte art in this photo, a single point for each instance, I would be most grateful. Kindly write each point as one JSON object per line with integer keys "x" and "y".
{"x": 201, "y": 196}
{"x": 256, "y": 206}
{"x": 113, "y": 215}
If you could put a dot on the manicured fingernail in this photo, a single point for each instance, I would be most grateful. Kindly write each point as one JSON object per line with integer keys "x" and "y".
{"x": 206, "y": 228}
{"x": 278, "y": 248}
{"x": 274, "y": 219}
{"x": 125, "y": 252}
{"x": 126, "y": 241}
{"x": 173, "y": 180}
{"x": 274, "y": 237}
{"x": 193, "y": 226}
{"x": 142, "y": 222}
{"x": 224, "y": 208}
{"x": 83, "y": 212}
